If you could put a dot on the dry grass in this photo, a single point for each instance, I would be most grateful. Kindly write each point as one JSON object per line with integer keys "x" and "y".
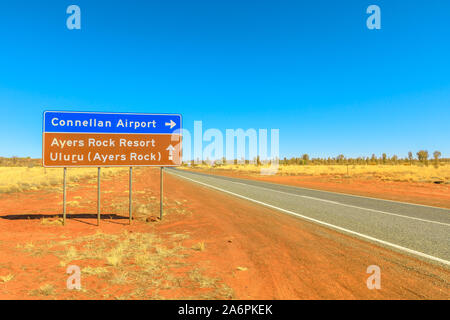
{"x": 94, "y": 271}
{"x": 18, "y": 179}
{"x": 199, "y": 246}
{"x": 120, "y": 278}
{"x": 204, "y": 282}
{"x": 414, "y": 173}
{"x": 141, "y": 263}
{"x": 52, "y": 222}
{"x": 44, "y": 290}
{"x": 73, "y": 204}
{"x": 115, "y": 257}
{"x": 7, "y": 278}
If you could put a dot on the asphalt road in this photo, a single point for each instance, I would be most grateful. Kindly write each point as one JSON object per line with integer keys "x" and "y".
{"x": 417, "y": 230}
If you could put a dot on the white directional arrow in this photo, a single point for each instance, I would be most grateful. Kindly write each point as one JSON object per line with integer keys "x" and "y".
{"x": 171, "y": 124}
{"x": 171, "y": 149}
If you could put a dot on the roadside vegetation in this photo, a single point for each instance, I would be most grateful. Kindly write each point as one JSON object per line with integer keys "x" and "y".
{"x": 128, "y": 265}
{"x": 413, "y": 168}
{"x": 35, "y": 177}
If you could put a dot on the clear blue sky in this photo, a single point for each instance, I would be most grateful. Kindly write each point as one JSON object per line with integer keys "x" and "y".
{"x": 309, "y": 68}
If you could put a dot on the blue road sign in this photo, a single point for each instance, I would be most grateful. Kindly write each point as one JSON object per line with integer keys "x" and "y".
{"x": 97, "y": 122}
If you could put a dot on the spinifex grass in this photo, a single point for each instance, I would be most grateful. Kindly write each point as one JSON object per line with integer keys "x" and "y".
{"x": 17, "y": 179}
{"x": 141, "y": 264}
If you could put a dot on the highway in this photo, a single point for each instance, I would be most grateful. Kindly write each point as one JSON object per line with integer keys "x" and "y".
{"x": 420, "y": 231}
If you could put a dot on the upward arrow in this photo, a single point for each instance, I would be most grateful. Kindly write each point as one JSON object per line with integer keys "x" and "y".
{"x": 171, "y": 124}
{"x": 171, "y": 149}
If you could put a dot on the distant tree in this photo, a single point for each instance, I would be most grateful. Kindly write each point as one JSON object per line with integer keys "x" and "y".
{"x": 374, "y": 159}
{"x": 384, "y": 157}
{"x": 422, "y": 155}
{"x": 436, "y": 155}
{"x": 410, "y": 157}
{"x": 305, "y": 158}
{"x": 394, "y": 159}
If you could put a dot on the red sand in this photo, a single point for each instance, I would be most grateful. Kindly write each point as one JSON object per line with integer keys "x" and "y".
{"x": 283, "y": 257}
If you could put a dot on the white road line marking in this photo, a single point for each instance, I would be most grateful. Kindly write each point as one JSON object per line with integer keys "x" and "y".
{"x": 345, "y": 205}
{"x": 334, "y": 192}
{"x": 339, "y": 203}
{"x": 379, "y": 211}
{"x": 386, "y": 243}
{"x": 371, "y": 198}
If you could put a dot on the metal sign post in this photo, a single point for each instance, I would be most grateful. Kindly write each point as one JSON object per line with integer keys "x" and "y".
{"x": 131, "y": 195}
{"x": 161, "y": 195}
{"x": 64, "y": 196}
{"x": 98, "y": 197}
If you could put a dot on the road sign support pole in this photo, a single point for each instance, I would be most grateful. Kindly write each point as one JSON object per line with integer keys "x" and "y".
{"x": 161, "y": 195}
{"x": 98, "y": 196}
{"x": 64, "y": 196}
{"x": 131, "y": 195}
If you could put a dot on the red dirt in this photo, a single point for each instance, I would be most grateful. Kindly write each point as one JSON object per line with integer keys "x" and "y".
{"x": 430, "y": 194}
{"x": 284, "y": 257}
